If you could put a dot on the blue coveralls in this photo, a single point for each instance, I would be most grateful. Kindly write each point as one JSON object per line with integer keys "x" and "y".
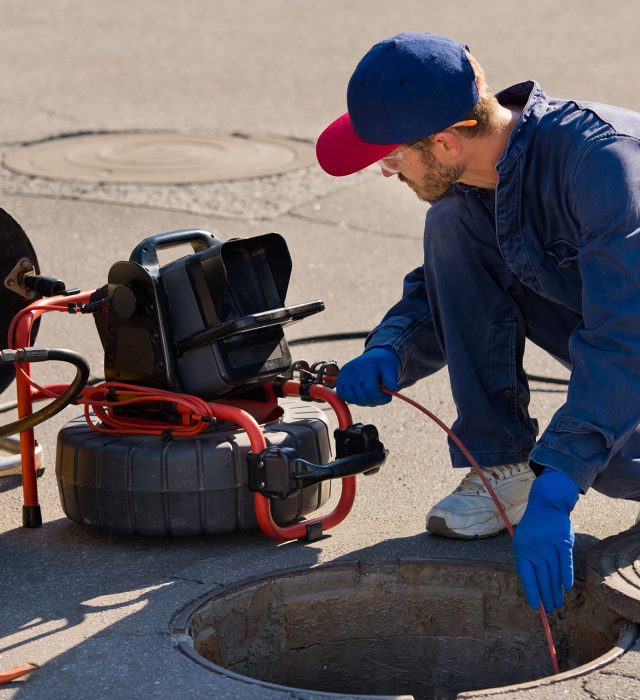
{"x": 553, "y": 255}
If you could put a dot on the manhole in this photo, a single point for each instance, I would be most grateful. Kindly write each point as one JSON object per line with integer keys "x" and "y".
{"x": 159, "y": 157}
{"x": 418, "y": 628}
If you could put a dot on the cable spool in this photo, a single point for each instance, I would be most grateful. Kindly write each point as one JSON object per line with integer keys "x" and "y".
{"x": 18, "y": 257}
{"x": 148, "y": 485}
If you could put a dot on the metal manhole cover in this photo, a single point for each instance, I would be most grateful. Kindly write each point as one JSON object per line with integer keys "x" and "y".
{"x": 159, "y": 157}
{"x": 614, "y": 569}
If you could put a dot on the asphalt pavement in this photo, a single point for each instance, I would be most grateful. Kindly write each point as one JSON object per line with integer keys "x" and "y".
{"x": 95, "y": 610}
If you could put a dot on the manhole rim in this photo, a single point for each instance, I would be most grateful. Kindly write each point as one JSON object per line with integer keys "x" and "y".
{"x": 184, "y": 642}
{"x": 282, "y": 139}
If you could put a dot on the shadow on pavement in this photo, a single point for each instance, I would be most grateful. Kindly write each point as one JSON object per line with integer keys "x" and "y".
{"x": 88, "y": 591}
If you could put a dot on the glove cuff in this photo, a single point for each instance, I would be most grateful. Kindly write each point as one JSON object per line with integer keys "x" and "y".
{"x": 555, "y": 488}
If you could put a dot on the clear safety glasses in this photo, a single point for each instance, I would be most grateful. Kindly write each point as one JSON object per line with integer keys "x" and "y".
{"x": 396, "y": 162}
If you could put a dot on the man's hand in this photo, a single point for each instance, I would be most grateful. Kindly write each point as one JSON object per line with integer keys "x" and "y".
{"x": 543, "y": 541}
{"x": 359, "y": 381}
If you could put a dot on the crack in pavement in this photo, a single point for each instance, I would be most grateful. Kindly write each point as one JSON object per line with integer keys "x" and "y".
{"x": 352, "y": 227}
{"x": 589, "y": 692}
{"x": 43, "y": 109}
{"x": 619, "y": 674}
{"x": 196, "y": 580}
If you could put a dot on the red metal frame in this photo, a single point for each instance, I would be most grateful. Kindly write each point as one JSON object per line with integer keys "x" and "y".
{"x": 347, "y": 496}
{"x": 20, "y": 337}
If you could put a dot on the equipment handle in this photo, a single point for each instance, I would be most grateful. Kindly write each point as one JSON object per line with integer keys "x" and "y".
{"x": 145, "y": 253}
{"x": 278, "y": 471}
{"x": 253, "y": 322}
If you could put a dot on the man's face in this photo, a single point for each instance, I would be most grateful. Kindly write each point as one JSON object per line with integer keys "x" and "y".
{"x": 429, "y": 178}
{"x": 425, "y": 174}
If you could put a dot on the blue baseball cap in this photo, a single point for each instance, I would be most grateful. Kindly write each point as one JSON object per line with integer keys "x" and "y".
{"x": 405, "y": 88}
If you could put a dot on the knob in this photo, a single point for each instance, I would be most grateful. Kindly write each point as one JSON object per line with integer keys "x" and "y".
{"x": 124, "y": 301}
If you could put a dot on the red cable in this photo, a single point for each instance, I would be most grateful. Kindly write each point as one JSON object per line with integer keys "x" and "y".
{"x": 503, "y": 515}
{"x": 107, "y": 395}
{"x": 101, "y": 398}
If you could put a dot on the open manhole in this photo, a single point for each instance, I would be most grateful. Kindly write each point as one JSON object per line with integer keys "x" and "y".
{"x": 413, "y": 628}
{"x": 159, "y": 157}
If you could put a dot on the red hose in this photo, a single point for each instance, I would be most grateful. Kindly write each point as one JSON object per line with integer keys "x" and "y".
{"x": 503, "y": 515}
{"x": 17, "y": 672}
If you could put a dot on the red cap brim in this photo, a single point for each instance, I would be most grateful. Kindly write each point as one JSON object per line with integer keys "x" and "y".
{"x": 341, "y": 152}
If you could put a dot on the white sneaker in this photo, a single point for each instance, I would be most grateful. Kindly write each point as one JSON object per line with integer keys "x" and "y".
{"x": 470, "y": 512}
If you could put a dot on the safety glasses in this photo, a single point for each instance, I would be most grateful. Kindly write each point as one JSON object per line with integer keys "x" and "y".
{"x": 396, "y": 162}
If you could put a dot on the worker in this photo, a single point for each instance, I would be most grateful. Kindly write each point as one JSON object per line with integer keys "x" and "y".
{"x": 533, "y": 232}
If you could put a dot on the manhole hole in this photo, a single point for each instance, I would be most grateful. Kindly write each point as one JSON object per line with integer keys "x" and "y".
{"x": 421, "y": 628}
{"x": 159, "y": 157}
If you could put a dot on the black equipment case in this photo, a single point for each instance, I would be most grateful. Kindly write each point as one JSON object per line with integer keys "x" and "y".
{"x": 205, "y": 324}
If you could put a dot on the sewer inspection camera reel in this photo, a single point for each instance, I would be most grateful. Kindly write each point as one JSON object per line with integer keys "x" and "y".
{"x": 195, "y": 429}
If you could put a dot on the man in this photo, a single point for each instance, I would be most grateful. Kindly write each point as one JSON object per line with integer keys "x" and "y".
{"x": 533, "y": 232}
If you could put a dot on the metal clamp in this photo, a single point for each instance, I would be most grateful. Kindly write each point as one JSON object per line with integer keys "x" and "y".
{"x": 323, "y": 373}
{"x": 15, "y": 279}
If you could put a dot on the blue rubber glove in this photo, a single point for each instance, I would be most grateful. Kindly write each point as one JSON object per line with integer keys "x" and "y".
{"x": 543, "y": 541}
{"x": 360, "y": 379}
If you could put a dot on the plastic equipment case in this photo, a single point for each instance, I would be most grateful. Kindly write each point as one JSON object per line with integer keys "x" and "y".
{"x": 204, "y": 324}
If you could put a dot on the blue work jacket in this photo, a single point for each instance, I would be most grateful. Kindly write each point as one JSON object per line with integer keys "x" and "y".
{"x": 567, "y": 222}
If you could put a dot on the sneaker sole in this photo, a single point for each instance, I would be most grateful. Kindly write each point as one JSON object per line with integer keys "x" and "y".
{"x": 438, "y": 526}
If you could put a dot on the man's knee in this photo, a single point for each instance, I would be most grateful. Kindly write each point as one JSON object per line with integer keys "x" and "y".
{"x": 461, "y": 232}
{"x": 447, "y": 232}
{"x": 621, "y": 479}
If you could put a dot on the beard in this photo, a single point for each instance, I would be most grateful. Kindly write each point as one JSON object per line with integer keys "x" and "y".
{"x": 437, "y": 182}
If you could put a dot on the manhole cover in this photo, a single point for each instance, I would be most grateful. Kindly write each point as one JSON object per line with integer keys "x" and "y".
{"x": 418, "y": 628}
{"x": 159, "y": 157}
{"x": 614, "y": 568}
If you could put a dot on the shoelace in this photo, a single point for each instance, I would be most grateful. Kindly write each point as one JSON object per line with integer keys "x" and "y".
{"x": 472, "y": 482}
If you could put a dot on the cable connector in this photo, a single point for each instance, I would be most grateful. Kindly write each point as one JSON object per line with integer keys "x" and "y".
{"x": 44, "y": 285}
{"x": 10, "y": 356}
{"x": 91, "y": 307}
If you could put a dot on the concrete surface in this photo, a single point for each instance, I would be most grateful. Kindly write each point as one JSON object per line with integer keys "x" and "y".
{"x": 93, "y": 609}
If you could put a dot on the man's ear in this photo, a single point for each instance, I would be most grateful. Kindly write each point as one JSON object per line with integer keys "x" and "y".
{"x": 446, "y": 145}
